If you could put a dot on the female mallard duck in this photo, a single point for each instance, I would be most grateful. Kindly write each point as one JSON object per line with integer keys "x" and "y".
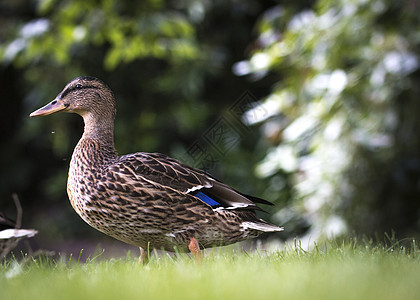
{"x": 146, "y": 199}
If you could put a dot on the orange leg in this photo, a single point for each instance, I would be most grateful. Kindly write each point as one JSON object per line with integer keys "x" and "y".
{"x": 195, "y": 249}
{"x": 144, "y": 256}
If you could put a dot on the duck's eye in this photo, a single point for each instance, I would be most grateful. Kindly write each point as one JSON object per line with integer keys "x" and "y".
{"x": 78, "y": 86}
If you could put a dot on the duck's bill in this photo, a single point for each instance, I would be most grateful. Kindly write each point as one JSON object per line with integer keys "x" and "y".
{"x": 54, "y": 106}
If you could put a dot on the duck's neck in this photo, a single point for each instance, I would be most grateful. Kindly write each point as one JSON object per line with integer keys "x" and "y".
{"x": 99, "y": 129}
{"x": 97, "y": 141}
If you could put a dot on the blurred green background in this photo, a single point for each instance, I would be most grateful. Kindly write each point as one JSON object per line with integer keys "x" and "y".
{"x": 312, "y": 105}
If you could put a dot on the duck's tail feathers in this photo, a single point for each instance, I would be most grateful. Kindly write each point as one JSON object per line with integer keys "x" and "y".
{"x": 17, "y": 233}
{"x": 261, "y": 225}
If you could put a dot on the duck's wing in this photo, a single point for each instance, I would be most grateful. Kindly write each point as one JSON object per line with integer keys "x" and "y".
{"x": 160, "y": 170}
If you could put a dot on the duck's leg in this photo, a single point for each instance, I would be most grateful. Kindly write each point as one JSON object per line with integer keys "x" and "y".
{"x": 144, "y": 256}
{"x": 195, "y": 249}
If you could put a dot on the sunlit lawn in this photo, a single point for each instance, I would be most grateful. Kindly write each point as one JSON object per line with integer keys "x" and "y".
{"x": 345, "y": 271}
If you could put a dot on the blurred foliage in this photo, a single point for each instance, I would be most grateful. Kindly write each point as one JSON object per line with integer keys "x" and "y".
{"x": 343, "y": 119}
{"x": 333, "y": 141}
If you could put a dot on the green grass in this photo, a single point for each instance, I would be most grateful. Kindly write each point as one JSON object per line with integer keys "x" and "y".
{"x": 347, "y": 271}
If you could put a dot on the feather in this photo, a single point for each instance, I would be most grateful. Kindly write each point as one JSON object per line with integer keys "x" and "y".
{"x": 206, "y": 199}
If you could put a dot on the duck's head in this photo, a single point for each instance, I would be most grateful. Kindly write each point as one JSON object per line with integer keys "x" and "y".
{"x": 86, "y": 96}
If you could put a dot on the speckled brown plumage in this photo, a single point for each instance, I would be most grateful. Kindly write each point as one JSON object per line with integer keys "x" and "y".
{"x": 146, "y": 199}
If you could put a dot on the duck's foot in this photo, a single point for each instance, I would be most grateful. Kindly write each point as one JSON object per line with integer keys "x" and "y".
{"x": 195, "y": 249}
{"x": 144, "y": 256}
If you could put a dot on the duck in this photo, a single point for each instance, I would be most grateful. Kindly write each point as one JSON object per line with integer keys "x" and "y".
{"x": 11, "y": 234}
{"x": 148, "y": 200}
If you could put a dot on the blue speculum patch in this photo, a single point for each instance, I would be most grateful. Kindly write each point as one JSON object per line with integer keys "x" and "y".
{"x": 206, "y": 199}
